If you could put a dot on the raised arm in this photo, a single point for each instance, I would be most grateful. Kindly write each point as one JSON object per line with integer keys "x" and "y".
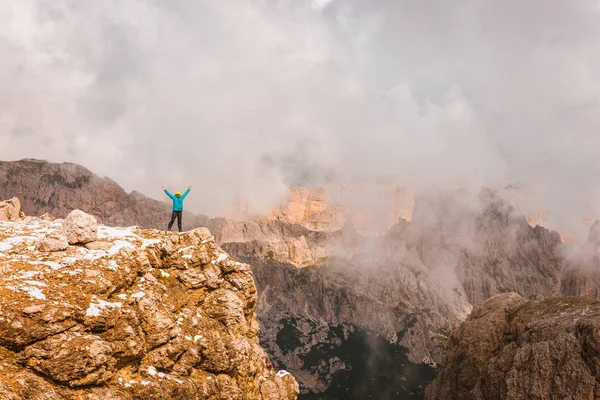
{"x": 186, "y": 192}
{"x": 168, "y": 193}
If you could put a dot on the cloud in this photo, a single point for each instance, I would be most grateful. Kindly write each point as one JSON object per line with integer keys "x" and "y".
{"x": 244, "y": 97}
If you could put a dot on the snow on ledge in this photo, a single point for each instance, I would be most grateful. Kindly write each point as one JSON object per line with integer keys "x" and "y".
{"x": 282, "y": 373}
{"x": 97, "y": 305}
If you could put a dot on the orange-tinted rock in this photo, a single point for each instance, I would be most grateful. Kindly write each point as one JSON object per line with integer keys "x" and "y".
{"x": 370, "y": 208}
{"x": 513, "y": 349}
{"x": 153, "y": 315}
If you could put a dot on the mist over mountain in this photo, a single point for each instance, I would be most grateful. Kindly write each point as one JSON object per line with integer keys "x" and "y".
{"x": 349, "y": 313}
{"x": 383, "y": 166}
{"x": 247, "y": 98}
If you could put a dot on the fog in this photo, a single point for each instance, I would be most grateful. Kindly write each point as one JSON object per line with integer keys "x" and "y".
{"x": 245, "y": 97}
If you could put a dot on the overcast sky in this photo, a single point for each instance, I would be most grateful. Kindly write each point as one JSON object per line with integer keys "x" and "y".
{"x": 243, "y": 97}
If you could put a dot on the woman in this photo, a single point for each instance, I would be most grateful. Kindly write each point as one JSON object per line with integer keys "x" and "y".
{"x": 177, "y": 206}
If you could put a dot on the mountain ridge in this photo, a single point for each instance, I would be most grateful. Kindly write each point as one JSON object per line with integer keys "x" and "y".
{"x": 317, "y": 289}
{"x": 57, "y": 189}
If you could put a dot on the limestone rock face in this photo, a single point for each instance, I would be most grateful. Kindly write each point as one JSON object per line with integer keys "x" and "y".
{"x": 310, "y": 207}
{"x": 511, "y": 348}
{"x": 328, "y": 209}
{"x": 80, "y": 227}
{"x": 10, "y": 210}
{"x": 581, "y": 276}
{"x": 150, "y": 315}
{"x": 273, "y": 240}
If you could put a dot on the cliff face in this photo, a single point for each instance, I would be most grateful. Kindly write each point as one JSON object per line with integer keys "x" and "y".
{"x": 350, "y": 328}
{"x": 409, "y": 288}
{"x": 285, "y": 242}
{"x": 57, "y": 189}
{"x": 511, "y": 348}
{"x": 581, "y": 276}
{"x": 310, "y": 207}
{"x": 495, "y": 249}
{"x": 371, "y": 208}
{"x": 135, "y": 314}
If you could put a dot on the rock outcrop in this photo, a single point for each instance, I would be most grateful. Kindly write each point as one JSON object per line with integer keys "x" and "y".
{"x": 510, "y": 348}
{"x": 353, "y": 307}
{"x": 311, "y": 208}
{"x": 53, "y": 242}
{"x": 155, "y": 315}
{"x": 58, "y": 189}
{"x": 10, "y": 210}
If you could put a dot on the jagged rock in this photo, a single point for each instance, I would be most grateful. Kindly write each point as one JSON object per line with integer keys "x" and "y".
{"x": 510, "y": 348}
{"x": 320, "y": 209}
{"x": 10, "y": 210}
{"x": 71, "y": 359}
{"x": 80, "y": 227}
{"x": 581, "y": 274}
{"x": 122, "y": 323}
{"x": 284, "y": 242}
{"x": 55, "y": 242}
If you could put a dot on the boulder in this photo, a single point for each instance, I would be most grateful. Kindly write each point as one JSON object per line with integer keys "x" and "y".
{"x": 10, "y": 210}
{"x": 53, "y": 242}
{"x": 80, "y": 228}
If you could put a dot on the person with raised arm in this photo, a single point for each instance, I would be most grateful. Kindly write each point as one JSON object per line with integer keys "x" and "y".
{"x": 177, "y": 206}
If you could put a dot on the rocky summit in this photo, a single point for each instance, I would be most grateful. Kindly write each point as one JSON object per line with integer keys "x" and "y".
{"x": 93, "y": 312}
{"x": 510, "y": 348}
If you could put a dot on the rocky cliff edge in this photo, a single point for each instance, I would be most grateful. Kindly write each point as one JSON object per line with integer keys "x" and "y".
{"x": 130, "y": 314}
{"x": 511, "y": 348}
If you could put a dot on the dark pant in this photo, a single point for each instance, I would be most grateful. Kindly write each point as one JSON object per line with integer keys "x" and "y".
{"x": 176, "y": 214}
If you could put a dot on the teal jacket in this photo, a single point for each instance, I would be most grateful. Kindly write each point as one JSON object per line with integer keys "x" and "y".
{"x": 177, "y": 201}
